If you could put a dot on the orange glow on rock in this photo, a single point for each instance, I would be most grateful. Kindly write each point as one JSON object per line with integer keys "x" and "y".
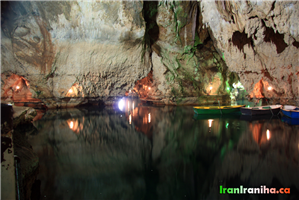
{"x": 257, "y": 90}
{"x": 75, "y": 91}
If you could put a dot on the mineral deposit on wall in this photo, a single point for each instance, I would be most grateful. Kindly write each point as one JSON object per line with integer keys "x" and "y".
{"x": 260, "y": 41}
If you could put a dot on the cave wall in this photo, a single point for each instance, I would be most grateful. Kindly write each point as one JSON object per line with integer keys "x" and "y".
{"x": 259, "y": 40}
{"x": 193, "y": 49}
{"x": 54, "y": 45}
{"x": 186, "y": 64}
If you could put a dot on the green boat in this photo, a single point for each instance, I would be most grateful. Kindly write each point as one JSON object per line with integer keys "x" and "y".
{"x": 218, "y": 110}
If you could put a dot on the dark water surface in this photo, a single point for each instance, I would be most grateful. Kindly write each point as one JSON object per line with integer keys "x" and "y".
{"x": 163, "y": 153}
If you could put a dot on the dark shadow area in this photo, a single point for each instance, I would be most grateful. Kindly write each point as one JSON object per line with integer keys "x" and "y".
{"x": 240, "y": 40}
{"x": 275, "y": 38}
{"x": 150, "y": 10}
{"x": 296, "y": 44}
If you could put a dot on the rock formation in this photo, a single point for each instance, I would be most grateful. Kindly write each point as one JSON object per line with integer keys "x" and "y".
{"x": 55, "y": 45}
{"x": 259, "y": 40}
{"x": 72, "y": 52}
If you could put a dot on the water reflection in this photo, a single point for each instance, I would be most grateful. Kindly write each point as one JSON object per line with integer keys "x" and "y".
{"x": 161, "y": 153}
{"x": 75, "y": 125}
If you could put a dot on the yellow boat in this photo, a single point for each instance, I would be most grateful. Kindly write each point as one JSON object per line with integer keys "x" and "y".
{"x": 205, "y": 110}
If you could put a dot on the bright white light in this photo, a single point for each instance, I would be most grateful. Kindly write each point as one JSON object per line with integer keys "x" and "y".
{"x": 149, "y": 117}
{"x": 70, "y": 91}
{"x": 71, "y": 124}
{"x": 130, "y": 119}
{"x": 130, "y": 91}
{"x": 121, "y": 104}
{"x": 268, "y": 134}
{"x": 269, "y": 88}
{"x": 210, "y": 122}
{"x": 238, "y": 85}
{"x": 149, "y": 88}
{"x": 18, "y": 87}
{"x": 211, "y": 88}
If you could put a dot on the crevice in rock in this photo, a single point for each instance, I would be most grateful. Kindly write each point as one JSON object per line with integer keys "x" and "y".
{"x": 296, "y": 44}
{"x": 273, "y": 6}
{"x": 275, "y": 38}
{"x": 267, "y": 74}
{"x": 252, "y": 17}
{"x": 151, "y": 35}
{"x": 240, "y": 40}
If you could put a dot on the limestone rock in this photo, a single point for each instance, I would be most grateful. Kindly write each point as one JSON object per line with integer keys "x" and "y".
{"x": 56, "y": 44}
{"x": 259, "y": 40}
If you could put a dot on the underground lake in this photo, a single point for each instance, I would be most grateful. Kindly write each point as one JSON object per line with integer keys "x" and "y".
{"x": 140, "y": 151}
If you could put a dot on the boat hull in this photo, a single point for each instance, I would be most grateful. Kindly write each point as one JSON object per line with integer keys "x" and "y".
{"x": 214, "y": 110}
{"x": 264, "y": 110}
{"x": 291, "y": 113}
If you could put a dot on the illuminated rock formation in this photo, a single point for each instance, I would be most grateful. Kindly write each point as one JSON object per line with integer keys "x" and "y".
{"x": 72, "y": 52}
{"x": 259, "y": 40}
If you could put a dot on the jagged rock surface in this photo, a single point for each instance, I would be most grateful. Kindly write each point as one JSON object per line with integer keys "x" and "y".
{"x": 99, "y": 50}
{"x": 259, "y": 40}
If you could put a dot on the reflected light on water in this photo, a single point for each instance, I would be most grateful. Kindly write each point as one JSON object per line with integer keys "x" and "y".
{"x": 130, "y": 119}
{"x": 71, "y": 124}
{"x": 210, "y": 122}
{"x": 121, "y": 104}
{"x": 268, "y": 134}
{"x": 149, "y": 117}
{"x": 75, "y": 126}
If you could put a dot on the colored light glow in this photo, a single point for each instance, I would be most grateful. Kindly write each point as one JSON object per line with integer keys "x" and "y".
{"x": 71, "y": 124}
{"x": 228, "y": 88}
{"x": 269, "y": 88}
{"x": 268, "y": 134}
{"x": 130, "y": 119}
{"x": 121, "y": 104}
{"x": 227, "y": 124}
{"x": 149, "y": 117}
{"x": 210, "y": 122}
{"x": 248, "y": 106}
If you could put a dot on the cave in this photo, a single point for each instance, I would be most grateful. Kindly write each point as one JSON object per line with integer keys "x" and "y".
{"x": 148, "y": 99}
